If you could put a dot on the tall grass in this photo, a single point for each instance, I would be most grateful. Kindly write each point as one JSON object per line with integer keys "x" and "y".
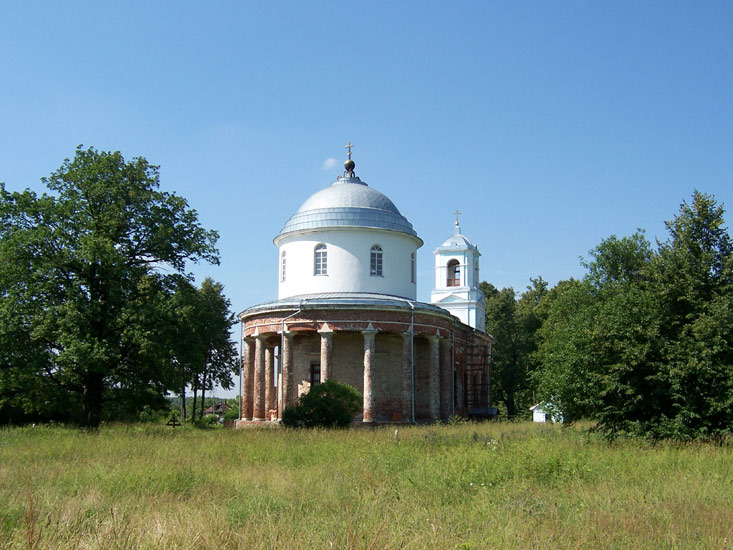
{"x": 466, "y": 486}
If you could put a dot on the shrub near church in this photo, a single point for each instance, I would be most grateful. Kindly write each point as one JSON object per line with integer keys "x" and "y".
{"x": 326, "y": 405}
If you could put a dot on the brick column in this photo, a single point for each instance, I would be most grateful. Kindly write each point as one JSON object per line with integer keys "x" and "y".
{"x": 485, "y": 389}
{"x": 407, "y": 376}
{"x": 258, "y": 412}
{"x": 460, "y": 396}
{"x": 247, "y": 378}
{"x": 369, "y": 390}
{"x": 446, "y": 378}
{"x": 269, "y": 380}
{"x": 434, "y": 377}
{"x": 287, "y": 359}
{"x": 487, "y": 352}
{"x": 326, "y": 351}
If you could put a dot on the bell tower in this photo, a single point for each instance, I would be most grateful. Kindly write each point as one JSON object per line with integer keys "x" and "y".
{"x": 457, "y": 280}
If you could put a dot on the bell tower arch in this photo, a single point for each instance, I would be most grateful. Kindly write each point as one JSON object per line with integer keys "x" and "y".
{"x": 457, "y": 279}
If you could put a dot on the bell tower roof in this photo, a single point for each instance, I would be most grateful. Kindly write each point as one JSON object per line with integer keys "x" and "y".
{"x": 457, "y": 241}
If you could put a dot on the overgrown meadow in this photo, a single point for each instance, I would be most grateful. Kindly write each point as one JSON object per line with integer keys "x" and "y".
{"x": 492, "y": 485}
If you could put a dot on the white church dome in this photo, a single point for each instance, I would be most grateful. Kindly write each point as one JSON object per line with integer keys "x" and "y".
{"x": 347, "y": 238}
{"x": 347, "y": 202}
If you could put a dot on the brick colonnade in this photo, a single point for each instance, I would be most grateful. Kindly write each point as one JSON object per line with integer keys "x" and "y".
{"x": 264, "y": 333}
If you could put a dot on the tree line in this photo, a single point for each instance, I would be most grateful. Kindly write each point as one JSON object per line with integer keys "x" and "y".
{"x": 642, "y": 344}
{"x": 98, "y": 315}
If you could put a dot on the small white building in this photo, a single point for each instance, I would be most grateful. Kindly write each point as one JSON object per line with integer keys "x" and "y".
{"x": 542, "y": 412}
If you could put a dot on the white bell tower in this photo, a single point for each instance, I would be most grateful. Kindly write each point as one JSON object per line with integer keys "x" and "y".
{"x": 457, "y": 280}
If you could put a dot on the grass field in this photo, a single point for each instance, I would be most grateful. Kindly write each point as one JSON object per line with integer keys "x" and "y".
{"x": 466, "y": 486}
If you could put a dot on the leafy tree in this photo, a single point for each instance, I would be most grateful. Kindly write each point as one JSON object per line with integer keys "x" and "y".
{"x": 186, "y": 353}
{"x": 205, "y": 355}
{"x": 644, "y": 344}
{"x": 215, "y": 323}
{"x": 598, "y": 352}
{"x": 513, "y": 324}
{"x": 590, "y": 329}
{"x": 327, "y": 405}
{"x": 86, "y": 274}
{"x": 692, "y": 278}
{"x": 564, "y": 377}
{"x": 618, "y": 261}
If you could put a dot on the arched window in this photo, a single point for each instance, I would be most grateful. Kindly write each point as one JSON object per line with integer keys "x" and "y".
{"x": 282, "y": 266}
{"x": 454, "y": 273}
{"x": 375, "y": 265}
{"x": 413, "y": 267}
{"x": 320, "y": 260}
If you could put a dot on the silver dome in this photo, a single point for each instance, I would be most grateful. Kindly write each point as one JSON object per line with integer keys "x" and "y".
{"x": 457, "y": 241}
{"x": 348, "y": 202}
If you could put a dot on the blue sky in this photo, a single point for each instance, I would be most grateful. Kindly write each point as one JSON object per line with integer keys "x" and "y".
{"x": 549, "y": 125}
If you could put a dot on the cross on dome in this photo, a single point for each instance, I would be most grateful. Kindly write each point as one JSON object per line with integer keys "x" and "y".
{"x": 457, "y": 213}
{"x": 349, "y": 165}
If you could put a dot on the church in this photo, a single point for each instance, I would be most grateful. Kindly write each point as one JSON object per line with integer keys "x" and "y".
{"x": 347, "y": 311}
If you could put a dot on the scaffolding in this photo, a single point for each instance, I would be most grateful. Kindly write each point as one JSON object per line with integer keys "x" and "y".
{"x": 477, "y": 378}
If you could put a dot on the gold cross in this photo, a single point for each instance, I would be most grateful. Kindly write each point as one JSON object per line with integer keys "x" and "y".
{"x": 457, "y": 213}
{"x": 348, "y": 146}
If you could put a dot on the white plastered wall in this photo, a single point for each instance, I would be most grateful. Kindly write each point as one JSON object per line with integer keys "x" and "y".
{"x": 348, "y": 264}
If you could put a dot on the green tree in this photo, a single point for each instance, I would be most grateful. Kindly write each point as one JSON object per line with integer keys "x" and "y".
{"x": 513, "y": 323}
{"x": 204, "y": 354}
{"x": 564, "y": 377}
{"x": 86, "y": 273}
{"x": 644, "y": 344}
{"x": 210, "y": 354}
{"x": 187, "y": 355}
{"x": 619, "y": 261}
{"x": 692, "y": 278}
{"x": 594, "y": 330}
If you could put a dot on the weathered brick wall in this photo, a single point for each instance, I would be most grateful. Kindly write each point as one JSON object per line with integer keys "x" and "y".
{"x": 388, "y": 375}
{"x": 348, "y": 359}
{"x": 306, "y": 350}
{"x": 347, "y": 363}
{"x": 422, "y": 365}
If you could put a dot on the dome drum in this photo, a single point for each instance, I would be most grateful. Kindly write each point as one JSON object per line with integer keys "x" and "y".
{"x": 347, "y": 253}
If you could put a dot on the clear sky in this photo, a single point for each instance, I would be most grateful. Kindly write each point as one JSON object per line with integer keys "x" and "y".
{"x": 549, "y": 125}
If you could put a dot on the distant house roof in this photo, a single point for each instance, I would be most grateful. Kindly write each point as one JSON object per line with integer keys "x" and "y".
{"x": 217, "y": 408}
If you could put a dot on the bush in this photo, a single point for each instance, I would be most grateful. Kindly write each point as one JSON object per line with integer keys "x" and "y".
{"x": 231, "y": 414}
{"x": 327, "y": 405}
{"x": 149, "y": 415}
{"x": 208, "y": 421}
